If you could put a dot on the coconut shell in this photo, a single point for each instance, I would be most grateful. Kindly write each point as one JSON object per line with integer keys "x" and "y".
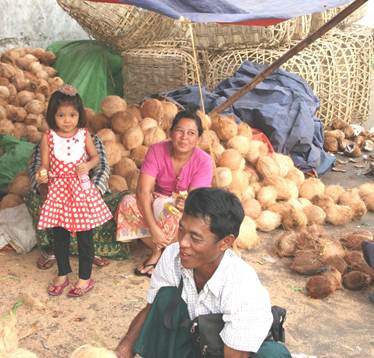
{"x": 353, "y": 240}
{"x": 113, "y": 104}
{"x": 356, "y": 280}
{"x": 268, "y": 221}
{"x": 248, "y": 237}
{"x": 133, "y": 138}
{"x": 230, "y": 158}
{"x": 10, "y": 201}
{"x": 252, "y": 208}
{"x": 113, "y": 152}
{"x": 240, "y": 143}
{"x": 225, "y": 127}
{"x": 124, "y": 167}
{"x": 256, "y": 150}
{"x": 117, "y": 183}
{"x": 106, "y": 135}
{"x": 169, "y": 111}
{"x": 285, "y": 244}
{"x": 267, "y": 196}
{"x": 308, "y": 262}
{"x": 314, "y": 214}
{"x": 222, "y": 177}
{"x": 153, "y": 108}
{"x": 138, "y": 154}
{"x": 339, "y": 214}
{"x": 154, "y": 135}
{"x": 122, "y": 121}
{"x": 311, "y": 187}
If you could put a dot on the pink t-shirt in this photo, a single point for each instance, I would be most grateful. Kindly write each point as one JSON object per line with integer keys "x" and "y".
{"x": 196, "y": 173}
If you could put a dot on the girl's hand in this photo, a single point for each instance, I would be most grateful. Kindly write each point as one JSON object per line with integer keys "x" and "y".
{"x": 82, "y": 168}
{"x": 41, "y": 176}
{"x": 158, "y": 238}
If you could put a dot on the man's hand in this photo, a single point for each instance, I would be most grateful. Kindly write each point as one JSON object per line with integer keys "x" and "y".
{"x": 159, "y": 238}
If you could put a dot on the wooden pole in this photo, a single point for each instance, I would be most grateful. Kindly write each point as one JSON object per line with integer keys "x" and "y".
{"x": 284, "y": 58}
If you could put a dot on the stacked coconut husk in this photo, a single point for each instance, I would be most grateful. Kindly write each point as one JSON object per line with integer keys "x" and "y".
{"x": 332, "y": 264}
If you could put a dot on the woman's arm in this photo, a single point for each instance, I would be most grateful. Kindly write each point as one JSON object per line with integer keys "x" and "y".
{"x": 84, "y": 168}
{"x": 144, "y": 199}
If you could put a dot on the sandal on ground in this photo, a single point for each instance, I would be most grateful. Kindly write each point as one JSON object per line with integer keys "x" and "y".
{"x": 138, "y": 271}
{"x": 45, "y": 261}
{"x": 57, "y": 290}
{"x": 80, "y": 291}
{"x": 101, "y": 261}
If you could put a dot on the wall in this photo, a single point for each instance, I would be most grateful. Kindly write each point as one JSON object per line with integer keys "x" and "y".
{"x": 35, "y": 23}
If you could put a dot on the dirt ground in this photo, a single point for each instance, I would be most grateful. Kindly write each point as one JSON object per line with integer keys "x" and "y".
{"x": 338, "y": 326}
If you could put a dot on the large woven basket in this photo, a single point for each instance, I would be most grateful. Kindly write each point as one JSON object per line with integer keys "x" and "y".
{"x": 120, "y": 26}
{"x": 152, "y": 70}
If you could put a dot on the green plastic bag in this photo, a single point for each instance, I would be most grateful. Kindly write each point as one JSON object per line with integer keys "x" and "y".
{"x": 14, "y": 158}
{"x": 92, "y": 68}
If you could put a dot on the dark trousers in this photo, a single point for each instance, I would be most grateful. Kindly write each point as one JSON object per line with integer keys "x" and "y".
{"x": 61, "y": 238}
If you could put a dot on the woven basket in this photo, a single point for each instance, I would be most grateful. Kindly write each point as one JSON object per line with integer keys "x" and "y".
{"x": 152, "y": 70}
{"x": 122, "y": 27}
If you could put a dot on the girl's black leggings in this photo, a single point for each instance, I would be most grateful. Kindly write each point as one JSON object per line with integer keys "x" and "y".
{"x": 61, "y": 238}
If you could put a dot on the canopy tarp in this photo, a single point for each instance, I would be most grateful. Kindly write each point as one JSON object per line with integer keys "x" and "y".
{"x": 250, "y": 12}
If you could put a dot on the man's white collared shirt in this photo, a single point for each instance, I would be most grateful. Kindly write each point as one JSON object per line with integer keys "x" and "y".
{"x": 234, "y": 290}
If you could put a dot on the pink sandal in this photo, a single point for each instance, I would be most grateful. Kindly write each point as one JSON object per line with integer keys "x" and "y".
{"x": 80, "y": 291}
{"x": 56, "y": 290}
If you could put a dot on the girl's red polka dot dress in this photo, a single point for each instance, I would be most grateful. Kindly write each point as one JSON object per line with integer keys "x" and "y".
{"x": 67, "y": 204}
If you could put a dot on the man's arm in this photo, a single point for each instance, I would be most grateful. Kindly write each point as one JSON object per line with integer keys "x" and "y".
{"x": 233, "y": 353}
{"x": 125, "y": 346}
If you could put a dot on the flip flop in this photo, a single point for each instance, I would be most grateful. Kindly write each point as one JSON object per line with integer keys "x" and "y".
{"x": 100, "y": 261}
{"x": 56, "y": 290}
{"x": 137, "y": 272}
{"x": 80, "y": 291}
{"x": 45, "y": 261}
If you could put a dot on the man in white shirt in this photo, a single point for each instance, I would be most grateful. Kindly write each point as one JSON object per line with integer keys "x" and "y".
{"x": 214, "y": 280}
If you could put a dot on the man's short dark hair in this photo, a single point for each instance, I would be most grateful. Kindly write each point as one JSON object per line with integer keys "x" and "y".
{"x": 221, "y": 208}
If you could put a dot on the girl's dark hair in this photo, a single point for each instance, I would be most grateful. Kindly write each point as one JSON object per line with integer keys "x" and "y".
{"x": 190, "y": 115}
{"x": 56, "y": 100}
{"x": 220, "y": 208}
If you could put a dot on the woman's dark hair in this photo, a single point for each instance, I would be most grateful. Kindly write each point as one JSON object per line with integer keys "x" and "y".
{"x": 221, "y": 208}
{"x": 59, "y": 98}
{"x": 190, "y": 115}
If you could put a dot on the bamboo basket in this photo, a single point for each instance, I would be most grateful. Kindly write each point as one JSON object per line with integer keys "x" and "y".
{"x": 120, "y": 26}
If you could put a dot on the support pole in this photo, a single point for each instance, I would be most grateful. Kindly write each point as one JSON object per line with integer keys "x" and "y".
{"x": 284, "y": 58}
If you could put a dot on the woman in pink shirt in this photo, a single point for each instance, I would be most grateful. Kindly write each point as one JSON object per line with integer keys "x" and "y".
{"x": 170, "y": 168}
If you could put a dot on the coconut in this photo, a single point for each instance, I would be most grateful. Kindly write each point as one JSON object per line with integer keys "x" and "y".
{"x": 295, "y": 203}
{"x": 113, "y": 104}
{"x": 122, "y": 121}
{"x": 124, "y": 167}
{"x": 267, "y": 166}
{"x": 321, "y": 286}
{"x": 365, "y": 189}
{"x": 331, "y": 144}
{"x": 284, "y": 162}
{"x": 256, "y": 149}
{"x": 35, "y": 107}
{"x": 4, "y": 81}
{"x": 252, "y": 208}
{"x": 7, "y": 70}
{"x": 334, "y": 192}
{"x": 10, "y": 201}
{"x": 330, "y": 248}
{"x": 285, "y": 244}
{"x": 239, "y": 180}
{"x": 113, "y": 152}
{"x": 132, "y": 180}
{"x": 24, "y": 97}
{"x": 368, "y": 200}
{"x": 133, "y": 138}
{"x": 352, "y": 199}
{"x": 337, "y": 262}
{"x": 314, "y": 214}
{"x": 106, "y": 135}
{"x": 55, "y": 83}
{"x": 147, "y": 123}
{"x": 230, "y": 158}
{"x": 304, "y": 202}
{"x": 323, "y": 201}
{"x": 117, "y": 183}
{"x": 4, "y": 92}
{"x": 97, "y": 122}
{"x": 40, "y": 97}
{"x": 248, "y": 193}
{"x": 19, "y": 130}
{"x": 208, "y": 139}
{"x": 296, "y": 175}
{"x": 3, "y": 113}
{"x": 338, "y": 214}
{"x": 354, "y": 258}
{"x": 248, "y": 237}
{"x": 34, "y": 120}
{"x": 138, "y": 154}
{"x": 311, "y": 187}
{"x": 222, "y": 177}
{"x": 169, "y": 111}
{"x": 89, "y": 351}
{"x": 356, "y": 280}
{"x": 268, "y": 221}
{"x": 135, "y": 111}
{"x": 225, "y": 127}
{"x": 338, "y": 123}
{"x": 245, "y": 130}
{"x": 280, "y": 207}
{"x": 267, "y": 196}
{"x": 217, "y": 150}
{"x": 153, "y": 108}
{"x": 338, "y": 134}
{"x": 348, "y": 132}
{"x": 286, "y": 189}
{"x": 240, "y": 143}
{"x": 206, "y": 122}
{"x": 6, "y": 127}
{"x": 32, "y": 134}
{"x": 353, "y": 240}
{"x": 294, "y": 219}
{"x": 308, "y": 262}
{"x": 154, "y": 135}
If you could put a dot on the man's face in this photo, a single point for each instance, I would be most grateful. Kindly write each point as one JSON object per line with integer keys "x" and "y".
{"x": 199, "y": 247}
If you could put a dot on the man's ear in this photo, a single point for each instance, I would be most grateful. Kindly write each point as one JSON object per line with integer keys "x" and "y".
{"x": 227, "y": 242}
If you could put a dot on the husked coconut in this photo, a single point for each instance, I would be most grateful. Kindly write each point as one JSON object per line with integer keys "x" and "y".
{"x": 225, "y": 127}
{"x": 267, "y": 196}
{"x": 338, "y": 123}
{"x": 208, "y": 139}
{"x": 248, "y": 237}
{"x": 285, "y": 244}
{"x": 286, "y": 189}
{"x": 331, "y": 144}
{"x": 106, "y": 135}
{"x": 368, "y": 200}
{"x": 34, "y": 106}
{"x": 205, "y": 119}
{"x": 154, "y": 135}
{"x": 169, "y": 110}
{"x": 284, "y": 162}
{"x": 268, "y": 221}
{"x": 280, "y": 207}
{"x": 10, "y": 201}
{"x": 314, "y": 214}
{"x": 365, "y": 189}
{"x": 218, "y": 149}
{"x": 138, "y": 154}
{"x": 308, "y": 262}
{"x": 304, "y": 202}
{"x": 135, "y": 111}
{"x": 113, "y": 104}
{"x": 295, "y": 219}
{"x": 336, "y": 262}
{"x": 323, "y": 201}
{"x": 147, "y": 123}
{"x": 245, "y": 130}
{"x": 353, "y": 240}
{"x": 267, "y": 166}
{"x": 321, "y": 286}
{"x": 98, "y": 122}
{"x": 248, "y": 193}
{"x": 3, "y": 112}
{"x": 311, "y": 187}
{"x": 24, "y": 97}
{"x": 352, "y": 199}
{"x": 338, "y": 214}
{"x": 252, "y": 174}
{"x": 113, "y": 152}
{"x": 252, "y": 208}
{"x": 122, "y": 121}
{"x": 356, "y": 280}
{"x": 117, "y": 183}
{"x": 296, "y": 175}
{"x": 153, "y": 108}
{"x": 124, "y": 167}
{"x": 240, "y": 143}
{"x": 133, "y": 138}
{"x": 330, "y": 248}
{"x": 230, "y": 158}
{"x": 256, "y": 150}
{"x": 295, "y": 203}
{"x": 334, "y": 191}
{"x": 239, "y": 180}
{"x": 222, "y": 177}
{"x": 132, "y": 180}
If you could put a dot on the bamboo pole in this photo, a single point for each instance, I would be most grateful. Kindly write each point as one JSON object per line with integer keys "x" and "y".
{"x": 284, "y": 58}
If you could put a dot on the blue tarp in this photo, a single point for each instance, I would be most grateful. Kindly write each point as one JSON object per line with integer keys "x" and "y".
{"x": 233, "y": 10}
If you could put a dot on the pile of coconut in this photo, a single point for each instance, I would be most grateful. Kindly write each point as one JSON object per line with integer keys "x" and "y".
{"x": 351, "y": 140}
{"x": 332, "y": 264}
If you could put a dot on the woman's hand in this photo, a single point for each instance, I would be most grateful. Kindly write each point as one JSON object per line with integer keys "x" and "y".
{"x": 82, "y": 168}
{"x": 179, "y": 203}
{"x": 159, "y": 238}
{"x": 41, "y": 176}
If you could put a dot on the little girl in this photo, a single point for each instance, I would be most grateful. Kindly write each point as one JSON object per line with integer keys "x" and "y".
{"x": 67, "y": 155}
